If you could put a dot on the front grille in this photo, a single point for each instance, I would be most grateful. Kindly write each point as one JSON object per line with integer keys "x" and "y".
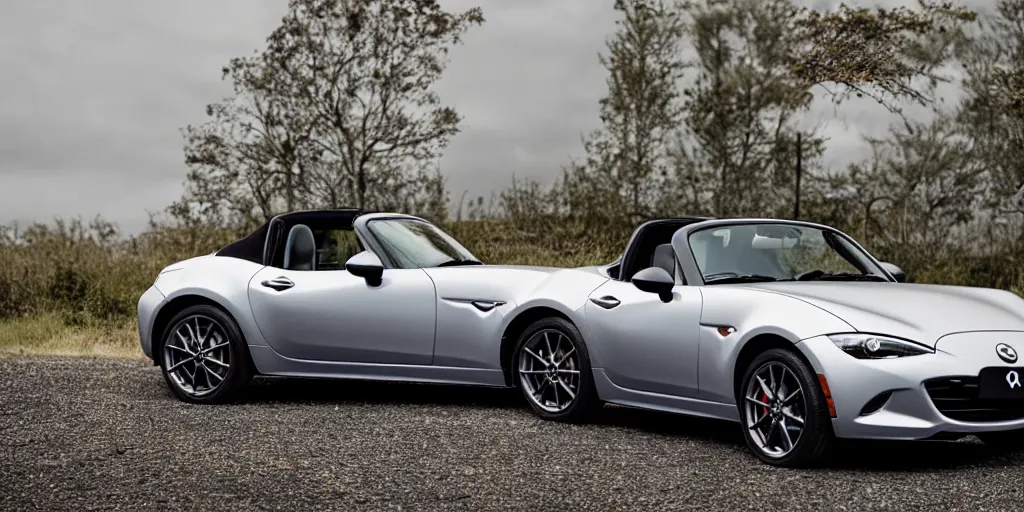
{"x": 957, "y": 398}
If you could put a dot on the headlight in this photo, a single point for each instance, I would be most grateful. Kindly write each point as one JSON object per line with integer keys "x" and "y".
{"x": 873, "y": 346}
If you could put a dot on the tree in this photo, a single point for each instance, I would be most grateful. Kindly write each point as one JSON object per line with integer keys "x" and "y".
{"x": 992, "y": 113}
{"x": 626, "y": 158}
{"x": 758, "y": 64}
{"x": 736, "y": 155}
{"x": 243, "y": 161}
{"x": 917, "y": 191}
{"x": 878, "y": 53}
{"x": 338, "y": 110}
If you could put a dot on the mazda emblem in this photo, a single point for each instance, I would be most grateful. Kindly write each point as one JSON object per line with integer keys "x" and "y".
{"x": 1006, "y": 353}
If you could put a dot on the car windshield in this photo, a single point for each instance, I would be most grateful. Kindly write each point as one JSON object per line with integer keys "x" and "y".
{"x": 414, "y": 243}
{"x": 778, "y": 252}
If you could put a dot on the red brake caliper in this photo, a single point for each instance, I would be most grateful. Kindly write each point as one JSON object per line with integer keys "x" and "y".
{"x": 764, "y": 398}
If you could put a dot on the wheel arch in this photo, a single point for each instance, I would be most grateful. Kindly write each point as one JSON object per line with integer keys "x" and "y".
{"x": 173, "y": 307}
{"x": 515, "y": 328}
{"x": 755, "y": 346}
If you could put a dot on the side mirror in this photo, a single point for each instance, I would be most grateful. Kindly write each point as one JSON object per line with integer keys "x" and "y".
{"x": 898, "y": 273}
{"x": 366, "y": 265}
{"x": 655, "y": 280}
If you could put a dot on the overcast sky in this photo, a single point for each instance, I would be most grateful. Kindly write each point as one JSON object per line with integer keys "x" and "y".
{"x": 93, "y": 95}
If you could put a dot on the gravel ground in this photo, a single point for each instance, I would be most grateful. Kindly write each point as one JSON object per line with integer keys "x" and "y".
{"x": 84, "y": 434}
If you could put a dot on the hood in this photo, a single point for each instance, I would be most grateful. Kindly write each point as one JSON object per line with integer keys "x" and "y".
{"x": 918, "y": 312}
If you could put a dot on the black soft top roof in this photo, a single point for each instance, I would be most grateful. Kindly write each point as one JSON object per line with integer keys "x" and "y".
{"x": 260, "y": 246}
{"x": 249, "y": 248}
{"x": 645, "y": 238}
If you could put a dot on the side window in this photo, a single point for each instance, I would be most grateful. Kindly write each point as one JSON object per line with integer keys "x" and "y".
{"x": 334, "y": 247}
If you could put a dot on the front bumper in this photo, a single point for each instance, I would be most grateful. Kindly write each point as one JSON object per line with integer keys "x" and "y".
{"x": 149, "y": 303}
{"x": 910, "y": 412}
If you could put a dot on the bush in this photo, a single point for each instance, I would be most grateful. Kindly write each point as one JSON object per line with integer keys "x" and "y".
{"x": 87, "y": 277}
{"x": 85, "y": 274}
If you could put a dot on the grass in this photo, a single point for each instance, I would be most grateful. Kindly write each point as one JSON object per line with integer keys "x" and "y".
{"x": 50, "y": 334}
{"x": 70, "y": 291}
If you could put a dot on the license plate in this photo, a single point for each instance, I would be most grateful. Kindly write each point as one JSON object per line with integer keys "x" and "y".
{"x": 1001, "y": 383}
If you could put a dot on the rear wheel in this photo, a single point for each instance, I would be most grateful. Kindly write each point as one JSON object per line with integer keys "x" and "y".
{"x": 783, "y": 411}
{"x": 552, "y": 369}
{"x": 204, "y": 357}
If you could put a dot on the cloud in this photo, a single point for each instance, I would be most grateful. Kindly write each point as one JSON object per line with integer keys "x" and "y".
{"x": 527, "y": 84}
{"x": 95, "y": 95}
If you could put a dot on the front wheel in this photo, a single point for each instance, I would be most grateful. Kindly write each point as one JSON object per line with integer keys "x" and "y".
{"x": 204, "y": 357}
{"x": 552, "y": 369}
{"x": 783, "y": 411}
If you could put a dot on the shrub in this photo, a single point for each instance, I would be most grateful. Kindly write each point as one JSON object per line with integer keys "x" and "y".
{"x": 88, "y": 278}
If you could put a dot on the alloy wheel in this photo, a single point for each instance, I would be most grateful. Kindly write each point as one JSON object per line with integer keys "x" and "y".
{"x": 549, "y": 370}
{"x": 775, "y": 408}
{"x": 197, "y": 355}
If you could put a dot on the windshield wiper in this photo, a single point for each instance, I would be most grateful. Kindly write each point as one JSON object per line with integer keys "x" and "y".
{"x": 729, "y": 277}
{"x": 818, "y": 275}
{"x": 459, "y": 263}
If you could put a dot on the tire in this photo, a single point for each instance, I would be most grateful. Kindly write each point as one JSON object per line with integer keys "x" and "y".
{"x": 1008, "y": 440}
{"x": 814, "y": 441}
{"x": 220, "y": 344}
{"x": 547, "y": 386}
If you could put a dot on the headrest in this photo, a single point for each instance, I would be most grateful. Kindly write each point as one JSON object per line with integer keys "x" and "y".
{"x": 665, "y": 258}
{"x": 300, "y": 250}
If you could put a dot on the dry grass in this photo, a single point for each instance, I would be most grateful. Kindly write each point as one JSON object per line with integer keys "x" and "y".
{"x": 49, "y": 334}
{"x": 69, "y": 291}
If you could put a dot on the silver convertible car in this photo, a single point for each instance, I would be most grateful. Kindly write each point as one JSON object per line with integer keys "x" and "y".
{"x": 791, "y": 329}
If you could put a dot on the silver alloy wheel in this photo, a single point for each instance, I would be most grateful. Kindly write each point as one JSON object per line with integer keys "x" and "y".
{"x": 775, "y": 408}
{"x": 549, "y": 370}
{"x": 197, "y": 356}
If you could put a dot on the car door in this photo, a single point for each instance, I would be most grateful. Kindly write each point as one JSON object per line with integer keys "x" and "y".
{"x": 646, "y": 344}
{"x": 332, "y": 315}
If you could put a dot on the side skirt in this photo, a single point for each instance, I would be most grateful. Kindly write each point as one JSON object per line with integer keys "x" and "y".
{"x": 612, "y": 393}
{"x": 269, "y": 362}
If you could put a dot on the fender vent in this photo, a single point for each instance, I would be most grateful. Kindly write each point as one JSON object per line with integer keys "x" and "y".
{"x": 876, "y": 403}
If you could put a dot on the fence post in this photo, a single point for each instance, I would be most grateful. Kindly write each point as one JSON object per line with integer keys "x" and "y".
{"x": 799, "y": 171}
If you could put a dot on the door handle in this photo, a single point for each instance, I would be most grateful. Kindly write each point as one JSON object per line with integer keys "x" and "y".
{"x": 278, "y": 283}
{"x": 606, "y": 302}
